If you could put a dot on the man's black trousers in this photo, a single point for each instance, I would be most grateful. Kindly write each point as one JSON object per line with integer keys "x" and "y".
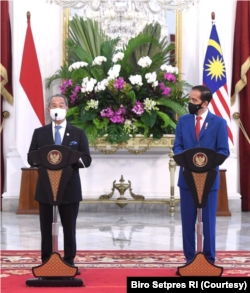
{"x": 68, "y": 214}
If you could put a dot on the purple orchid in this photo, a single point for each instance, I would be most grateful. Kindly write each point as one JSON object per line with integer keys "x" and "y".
{"x": 107, "y": 112}
{"x": 70, "y": 82}
{"x": 138, "y": 108}
{"x": 117, "y": 119}
{"x": 62, "y": 88}
{"x": 120, "y": 111}
{"x": 166, "y": 90}
{"x": 65, "y": 83}
{"x": 170, "y": 77}
{"x": 73, "y": 97}
{"x": 119, "y": 83}
{"x": 78, "y": 88}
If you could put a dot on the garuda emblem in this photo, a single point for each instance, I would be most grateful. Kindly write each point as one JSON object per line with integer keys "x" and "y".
{"x": 54, "y": 157}
{"x": 200, "y": 160}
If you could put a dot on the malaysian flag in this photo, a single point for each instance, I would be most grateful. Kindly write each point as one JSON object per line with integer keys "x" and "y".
{"x": 214, "y": 77}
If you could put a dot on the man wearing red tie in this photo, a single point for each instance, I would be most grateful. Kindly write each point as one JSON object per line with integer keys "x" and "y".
{"x": 200, "y": 128}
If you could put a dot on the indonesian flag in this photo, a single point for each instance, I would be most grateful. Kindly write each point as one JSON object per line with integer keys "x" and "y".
{"x": 30, "y": 104}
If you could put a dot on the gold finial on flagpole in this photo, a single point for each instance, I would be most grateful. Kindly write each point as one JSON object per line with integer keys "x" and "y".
{"x": 213, "y": 17}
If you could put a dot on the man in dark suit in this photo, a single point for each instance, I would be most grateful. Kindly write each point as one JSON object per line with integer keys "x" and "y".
{"x": 204, "y": 129}
{"x": 61, "y": 132}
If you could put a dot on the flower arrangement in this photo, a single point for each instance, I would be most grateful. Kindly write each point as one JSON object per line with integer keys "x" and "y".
{"x": 111, "y": 95}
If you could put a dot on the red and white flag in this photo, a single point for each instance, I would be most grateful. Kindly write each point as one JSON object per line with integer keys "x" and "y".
{"x": 30, "y": 103}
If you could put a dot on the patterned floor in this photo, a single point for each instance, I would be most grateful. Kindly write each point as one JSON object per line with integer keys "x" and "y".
{"x": 21, "y": 262}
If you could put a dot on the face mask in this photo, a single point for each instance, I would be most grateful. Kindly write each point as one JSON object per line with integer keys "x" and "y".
{"x": 61, "y": 114}
{"x": 193, "y": 109}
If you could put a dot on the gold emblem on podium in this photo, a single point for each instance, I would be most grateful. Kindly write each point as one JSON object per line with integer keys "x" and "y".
{"x": 200, "y": 160}
{"x": 54, "y": 157}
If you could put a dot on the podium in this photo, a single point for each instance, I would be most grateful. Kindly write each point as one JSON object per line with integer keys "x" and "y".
{"x": 55, "y": 171}
{"x": 199, "y": 171}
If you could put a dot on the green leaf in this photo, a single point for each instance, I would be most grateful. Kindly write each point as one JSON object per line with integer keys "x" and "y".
{"x": 73, "y": 111}
{"x": 62, "y": 73}
{"x": 108, "y": 50}
{"x": 80, "y": 73}
{"x": 91, "y": 132}
{"x": 177, "y": 108}
{"x": 165, "y": 118}
{"x": 87, "y": 115}
{"x": 132, "y": 96}
{"x": 98, "y": 73}
{"x": 100, "y": 124}
{"x": 134, "y": 43}
{"x": 139, "y": 123}
{"x": 172, "y": 124}
{"x": 82, "y": 54}
{"x": 157, "y": 133}
{"x": 149, "y": 119}
{"x": 116, "y": 134}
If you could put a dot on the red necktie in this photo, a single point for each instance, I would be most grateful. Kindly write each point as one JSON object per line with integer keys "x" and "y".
{"x": 198, "y": 126}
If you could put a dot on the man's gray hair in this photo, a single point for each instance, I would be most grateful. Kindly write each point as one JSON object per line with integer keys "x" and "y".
{"x": 58, "y": 95}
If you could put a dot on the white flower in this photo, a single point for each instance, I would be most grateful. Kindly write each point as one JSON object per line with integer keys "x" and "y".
{"x": 169, "y": 69}
{"x": 77, "y": 65}
{"x": 92, "y": 104}
{"x": 128, "y": 122}
{"x": 88, "y": 85}
{"x": 155, "y": 83}
{"x": 98, "y": 60}
{"x": 101, "y": 86}
{"x": 129, "y": 126}
{"x": 144, "y": 62}
{"x": 176, "y": 70}
{"x": 149, "y": 105}
{"x": 136, "y": 79}
{"x": 151, "y": 77}
{"x": 114, "y": 72}
{"x": 117, "y": 57}
{"x": 105, "y": 82}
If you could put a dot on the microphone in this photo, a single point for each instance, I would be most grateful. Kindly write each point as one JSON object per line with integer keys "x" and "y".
{"x": 55, "y": 121}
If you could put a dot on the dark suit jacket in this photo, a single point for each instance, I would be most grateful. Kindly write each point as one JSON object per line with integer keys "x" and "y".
{"x": 214, "y": 136}
{"x": 43, "y": 136}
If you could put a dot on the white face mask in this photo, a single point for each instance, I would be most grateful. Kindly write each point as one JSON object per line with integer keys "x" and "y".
{"x": 61, "y": 114}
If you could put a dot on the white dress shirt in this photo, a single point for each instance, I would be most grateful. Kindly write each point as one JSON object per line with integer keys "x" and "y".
{"x": 203, "y": 116}
{"x": 61, "y": 130}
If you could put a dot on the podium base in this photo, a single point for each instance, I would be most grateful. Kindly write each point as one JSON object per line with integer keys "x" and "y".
{"x": 54, "y": 282}
{"x": 200, "y": 266}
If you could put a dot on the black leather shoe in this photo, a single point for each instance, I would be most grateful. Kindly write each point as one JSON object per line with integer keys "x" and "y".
{"x": 78, "y": 272}
{"x": 177, "y": 273}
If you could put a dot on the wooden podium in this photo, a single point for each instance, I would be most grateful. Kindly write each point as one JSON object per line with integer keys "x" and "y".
{"x": 222, "y": 205}
{"x": 27, "y": 204}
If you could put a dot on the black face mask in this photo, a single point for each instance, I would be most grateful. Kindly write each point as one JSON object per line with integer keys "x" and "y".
{"x": 193, "y": 109}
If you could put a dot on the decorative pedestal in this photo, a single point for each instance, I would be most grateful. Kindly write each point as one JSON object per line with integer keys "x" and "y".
{"x": 27, "y": 204}
{"x": 222, "y": 205}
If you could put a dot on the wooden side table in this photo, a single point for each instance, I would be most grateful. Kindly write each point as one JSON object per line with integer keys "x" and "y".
{"x": 27, "y": 204}
{"x": 222, "y": 205}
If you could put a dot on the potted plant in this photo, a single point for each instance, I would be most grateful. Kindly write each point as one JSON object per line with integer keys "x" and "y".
{"x": 122, "y": 92}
